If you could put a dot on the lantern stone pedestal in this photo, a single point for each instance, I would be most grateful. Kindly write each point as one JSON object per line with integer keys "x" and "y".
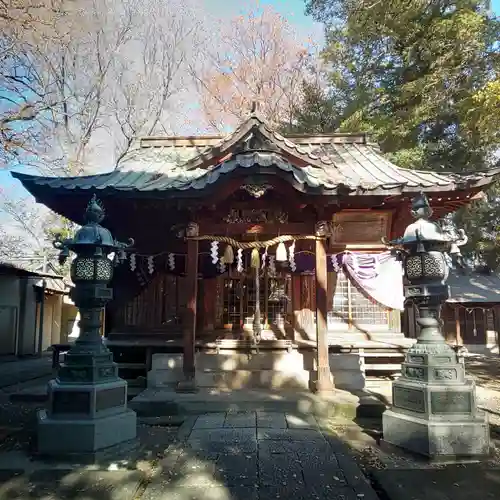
{"x": 85, "y": 419}
{"x": 434, "y": 410}
{"x": 87, "y": 412}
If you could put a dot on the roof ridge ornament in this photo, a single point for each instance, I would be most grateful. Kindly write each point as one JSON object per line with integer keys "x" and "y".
{"x": 256, "y": 141}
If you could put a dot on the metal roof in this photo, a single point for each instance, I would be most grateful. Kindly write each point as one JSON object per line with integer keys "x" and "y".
{"x": 324, "y": 162}
{"x": 53, "y": 282}
{"x": 470, "y": 286}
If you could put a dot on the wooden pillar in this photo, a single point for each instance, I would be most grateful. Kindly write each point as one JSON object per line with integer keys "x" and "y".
{"x": 189, "y": 323}
{"x": 324, "y": 377}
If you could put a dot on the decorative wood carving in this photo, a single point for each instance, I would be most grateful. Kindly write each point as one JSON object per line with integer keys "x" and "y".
{"x": 256, "y": 190}
{"x": 256, "y": 216}
{"x": 192, "y": 230}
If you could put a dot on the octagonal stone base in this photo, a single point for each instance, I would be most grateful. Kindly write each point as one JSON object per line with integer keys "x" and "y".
{"x": 73, "y": 436}
{"x": 451, "y": 440}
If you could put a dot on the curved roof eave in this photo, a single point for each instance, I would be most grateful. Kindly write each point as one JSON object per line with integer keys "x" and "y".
{"x": 179, "y": 183}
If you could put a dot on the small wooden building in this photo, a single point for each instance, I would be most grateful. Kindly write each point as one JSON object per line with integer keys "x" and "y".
{"x": 32, "y": 310}
{"x": 328, "y": 198}
{"x": 471, "y": 316}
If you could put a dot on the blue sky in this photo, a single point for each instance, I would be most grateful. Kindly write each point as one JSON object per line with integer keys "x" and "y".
{"x": 293, "y": 10}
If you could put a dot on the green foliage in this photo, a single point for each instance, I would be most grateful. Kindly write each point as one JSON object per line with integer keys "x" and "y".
{"x": 57, "y": 227}
{"x": 318, "y": 113}
{"x": 422, "y": 77}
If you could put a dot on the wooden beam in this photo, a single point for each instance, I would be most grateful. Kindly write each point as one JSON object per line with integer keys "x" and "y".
{"x": 324, "y": 377}
{"x": 297, "y": 228}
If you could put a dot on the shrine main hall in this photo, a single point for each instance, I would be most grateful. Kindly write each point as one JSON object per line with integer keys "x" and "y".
{"x": 258, "y": 258}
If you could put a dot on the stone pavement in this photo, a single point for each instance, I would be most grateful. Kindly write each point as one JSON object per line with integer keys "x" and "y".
{"x": 218, "y": 456}
{"x": 450, "y": 483}
{"x": 15, "y": 372}
{"x": 256, "y": 455}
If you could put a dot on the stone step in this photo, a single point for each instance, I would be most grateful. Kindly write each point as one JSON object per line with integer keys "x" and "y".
{"x": 383, "y": 367}
{"x": 281, "y": 361}
{"x": 236, "y": 379}
{"x": 261, "y": 379}
{"x": 161, "y": 402}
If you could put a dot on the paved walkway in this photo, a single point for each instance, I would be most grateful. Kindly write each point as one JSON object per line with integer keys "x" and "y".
{"x": 18, "y": 371}
{"x": 218, "y": 456}
{"x": 246, "y": 456}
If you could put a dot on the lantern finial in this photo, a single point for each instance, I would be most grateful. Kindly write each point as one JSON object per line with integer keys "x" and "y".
{"x": 94, "y": 214}
{"x": 420, "y": 207}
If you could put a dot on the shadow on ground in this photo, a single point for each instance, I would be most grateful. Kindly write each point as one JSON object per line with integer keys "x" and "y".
{"x": 485, "y": 369}
{"x": 233, "y": 456}
{"x": 245, "y": 456}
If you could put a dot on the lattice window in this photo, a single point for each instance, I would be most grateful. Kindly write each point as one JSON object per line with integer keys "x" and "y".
{"x": 490, "y": 320}
{"x": 239, "y": 298}
{"x": 231, "y": 300}
{"x": 340, "y": 312}
{"x": 249, "y": 300}
{"x": 352, "y": 309}
{"x": 278, "y": 300}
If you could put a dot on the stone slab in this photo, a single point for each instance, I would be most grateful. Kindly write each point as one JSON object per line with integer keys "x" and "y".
{"x": 73, "y": 484}
{"x": 299, "y": 492}
{"x": 450, "y": 483}
{"x": 301, "y": 422}
{"x": 270, "y": 420}
{"x": 290, "y": 434}
{"x": 227, "y": 441}
{"x": 210, "y": 421}
{"x": 247, "y": 379}
{"x": 154, "y": 402}
{"x": 232, "y": 463}
{"x": 297, "y": 448}
{"x": 281, "y": 469}
{"x": 240, "y": 419}
{"x": 159, "y": 489}
{"x": 240, "y": 469}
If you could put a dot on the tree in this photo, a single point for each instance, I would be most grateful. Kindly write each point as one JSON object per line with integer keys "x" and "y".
{"x": 411, "y": 72}
{"x": 24, "y": 98}
{"x": 257, "y": 59}
{"x": 422, "y": 78}
{"x": 149, "y": 88}
{"x": 78, "y": 77}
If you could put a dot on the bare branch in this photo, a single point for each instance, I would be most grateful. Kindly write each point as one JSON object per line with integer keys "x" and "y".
{"x": 259, "y": 59}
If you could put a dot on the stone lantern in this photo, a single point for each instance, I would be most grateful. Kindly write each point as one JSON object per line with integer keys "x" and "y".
{"x": 434, "y": 410}
{"x": 87, "y": 409}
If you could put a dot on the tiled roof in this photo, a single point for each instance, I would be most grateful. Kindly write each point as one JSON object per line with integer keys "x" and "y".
{"x": 321, "y": 162}
{"x": 471, "y": 286}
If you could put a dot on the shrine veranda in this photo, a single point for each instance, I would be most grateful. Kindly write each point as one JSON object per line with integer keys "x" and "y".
{"x": 256, "y": 241}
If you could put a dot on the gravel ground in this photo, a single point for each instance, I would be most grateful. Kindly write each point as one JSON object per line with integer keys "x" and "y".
{"x": 363, "y": 439}
{"x": 17, "y": 424}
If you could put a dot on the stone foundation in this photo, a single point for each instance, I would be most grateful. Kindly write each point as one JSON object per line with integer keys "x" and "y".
{"x": 263, "y": 370}
{"x": 85, "y": 418}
